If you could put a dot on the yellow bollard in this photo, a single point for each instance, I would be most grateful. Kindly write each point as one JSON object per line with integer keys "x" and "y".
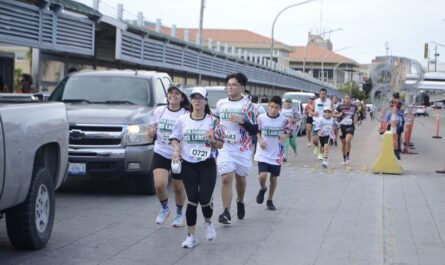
{"x": 386, "y": 162}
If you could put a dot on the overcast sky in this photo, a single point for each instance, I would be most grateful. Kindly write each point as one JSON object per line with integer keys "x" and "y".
{"x": 367, "y": 24}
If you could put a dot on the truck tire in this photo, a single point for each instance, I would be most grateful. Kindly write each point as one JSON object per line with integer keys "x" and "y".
{"x": 145, "y": 184}
{"x": 30, "y": 224}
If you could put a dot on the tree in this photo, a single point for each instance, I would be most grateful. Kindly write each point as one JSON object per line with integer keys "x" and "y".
{"x": 351, "y": 88}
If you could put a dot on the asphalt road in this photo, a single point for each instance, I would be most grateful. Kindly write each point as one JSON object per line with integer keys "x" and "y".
{"x": 341, "y": 215}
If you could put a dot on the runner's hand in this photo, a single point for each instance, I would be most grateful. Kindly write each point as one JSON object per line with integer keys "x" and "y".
{"x": 262, "y": 143}
{"x": 152, "y": 130}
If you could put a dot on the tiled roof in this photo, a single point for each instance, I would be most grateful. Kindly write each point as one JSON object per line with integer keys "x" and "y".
{"x": 316, "y": 54}
{"x": 234, "y": 37}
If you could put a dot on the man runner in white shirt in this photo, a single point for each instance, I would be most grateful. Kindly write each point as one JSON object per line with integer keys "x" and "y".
{"x": 238, "y": 115}
{"x": 320, "y": 104}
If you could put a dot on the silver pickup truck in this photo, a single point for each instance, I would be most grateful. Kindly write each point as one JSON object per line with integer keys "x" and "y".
{"x": 108, "y": 114}
{"x": 33, "y": 163}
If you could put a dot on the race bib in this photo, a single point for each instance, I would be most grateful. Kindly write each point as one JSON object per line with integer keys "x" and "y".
{"x": 231, "y": 137}
{"x": 164, "y": 137}
{"x": 199, "y": 152}
{"x": 347, "y": 121}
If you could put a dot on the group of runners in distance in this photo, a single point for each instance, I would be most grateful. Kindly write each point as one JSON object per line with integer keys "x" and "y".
{"x": 208, "y": 144}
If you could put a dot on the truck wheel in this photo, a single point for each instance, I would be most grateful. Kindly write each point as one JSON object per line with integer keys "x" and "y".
{"x": 145, "y": 184}
{"x": 30, "y": 224}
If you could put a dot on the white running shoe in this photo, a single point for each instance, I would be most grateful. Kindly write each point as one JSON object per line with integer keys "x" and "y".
{"x": 344, "y": 162}
{"x": 178, "y": 221}
{"x": 162, "y": 216}
{"x": 189, "y": 242}
{"x": 348, "y": 161}
{"x": 325, "y": 164}
{"x": 320, "y": 156}
{"x": 210, "y": 232}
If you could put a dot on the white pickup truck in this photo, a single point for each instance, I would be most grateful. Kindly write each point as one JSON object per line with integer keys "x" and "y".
{"x": 33, "y": 163}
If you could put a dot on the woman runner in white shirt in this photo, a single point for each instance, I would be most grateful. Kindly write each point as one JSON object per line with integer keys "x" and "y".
{"x": 195, "y": 138}
{"x": 161, "y": 126}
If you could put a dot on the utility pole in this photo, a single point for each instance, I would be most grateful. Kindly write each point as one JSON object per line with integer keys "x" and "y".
{"x": 435, "y": 59}
{"x": 201, "y": 18}
{"x": 387, "y": 48}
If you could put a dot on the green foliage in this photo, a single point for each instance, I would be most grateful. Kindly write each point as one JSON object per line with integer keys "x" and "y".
{"x": 17, "y": 77}
{"x": 352, "y": 89}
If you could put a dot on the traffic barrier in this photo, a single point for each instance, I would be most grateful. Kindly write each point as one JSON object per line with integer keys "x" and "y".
{"x": 408, "y": 130}
{"x": 386, "y": 162}
{"x": 437, "y": 125}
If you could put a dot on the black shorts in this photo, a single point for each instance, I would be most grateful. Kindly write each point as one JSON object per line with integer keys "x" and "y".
{"x": 323, "y": 140}
{"x": 309, "y": 120}
{"x": 274, "y": 170}
{"x": 346, "y": 129}
{"x": 165, "y": 163}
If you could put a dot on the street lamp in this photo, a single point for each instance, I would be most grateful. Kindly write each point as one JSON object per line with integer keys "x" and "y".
{"x": 275, "y": 20}
{"x": 335, "y": 69}
{"x": 321, "y": 34}
{"x": 326, "y": 55}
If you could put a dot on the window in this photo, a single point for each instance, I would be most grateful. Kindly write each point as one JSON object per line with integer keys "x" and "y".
{"x": 99, "y": 89}
{"x": 159, "y": 90}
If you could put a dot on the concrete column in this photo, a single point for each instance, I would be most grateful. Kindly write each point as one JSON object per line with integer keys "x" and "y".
{"x": 210, "y": 43}
{"x": 226, "y": 48}
{"x": 140, "y": 19}
{"x": 158, "y": 25}
{"x": 120, "y": 11}
{"x": 218, "y": 46}
{"x": 173, "y": 31}
{"x": 186, "y": 35}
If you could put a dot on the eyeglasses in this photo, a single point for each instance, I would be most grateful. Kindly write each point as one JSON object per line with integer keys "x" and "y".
{"x": 232, "y": 85}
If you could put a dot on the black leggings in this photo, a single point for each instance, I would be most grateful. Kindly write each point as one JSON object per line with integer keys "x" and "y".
{"x": 199, "y": 182}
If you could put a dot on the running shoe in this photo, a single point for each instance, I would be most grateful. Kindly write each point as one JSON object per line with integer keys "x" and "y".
{"x": 348, "y": 161}
{"x": 189, "y": 242}
{"x": 240, "y": 210}
{"x": 325, "y": 164}
{"x": 344, "y": 162}
{"x": 225, "y": 218}
{"x": 320, "y": 156}
{"x": 316, "y": 151}
{"x": 270, "y": 205}
{"x": 260, "y": 196}
{"x": 178, "y": 221}
{"x": 308, "y": 144}
{"x": 210, "y": 231}
{"x": 162, "y": 216}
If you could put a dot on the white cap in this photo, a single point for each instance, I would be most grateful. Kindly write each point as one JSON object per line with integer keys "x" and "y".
{"x": 327, "y": 108}
{"x": 199, "y": 90}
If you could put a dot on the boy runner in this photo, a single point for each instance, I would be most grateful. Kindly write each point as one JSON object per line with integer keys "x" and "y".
{"x": 273, "y": 131}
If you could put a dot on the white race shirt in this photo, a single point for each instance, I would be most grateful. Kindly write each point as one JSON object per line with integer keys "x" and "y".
{"x": 165, "y": 119}
{"x": 325, "y": 127}
{"x": 195, "y": 145}
{"x": 320, "y": 105}
{"x": 271, "y": 129}
{"x": 237, "y": 139}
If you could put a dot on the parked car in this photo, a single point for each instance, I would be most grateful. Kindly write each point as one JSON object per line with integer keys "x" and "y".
{"x": 214, "y": 94}
{"x": 33, "y": 164}
{"x": 108, "y": 114}
{"x": 421, "y": 111}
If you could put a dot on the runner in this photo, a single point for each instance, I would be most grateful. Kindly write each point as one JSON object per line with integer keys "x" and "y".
{"x": 308, "y": 111}
{"x": 273, "y": 131}
{"x": 335, "y": 104}
{"x": 238, "y": 115}
{"x": 347, "y": 114}
{"x": 293, "y": 117}
{"x": 161, "y": 126}
{"x": 195, "y": 138}
{"x": 320, "y": 104}
{"x": 324, "y": 126}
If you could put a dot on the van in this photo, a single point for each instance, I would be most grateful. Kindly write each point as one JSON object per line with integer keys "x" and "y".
{"x": 303, "y": 97}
